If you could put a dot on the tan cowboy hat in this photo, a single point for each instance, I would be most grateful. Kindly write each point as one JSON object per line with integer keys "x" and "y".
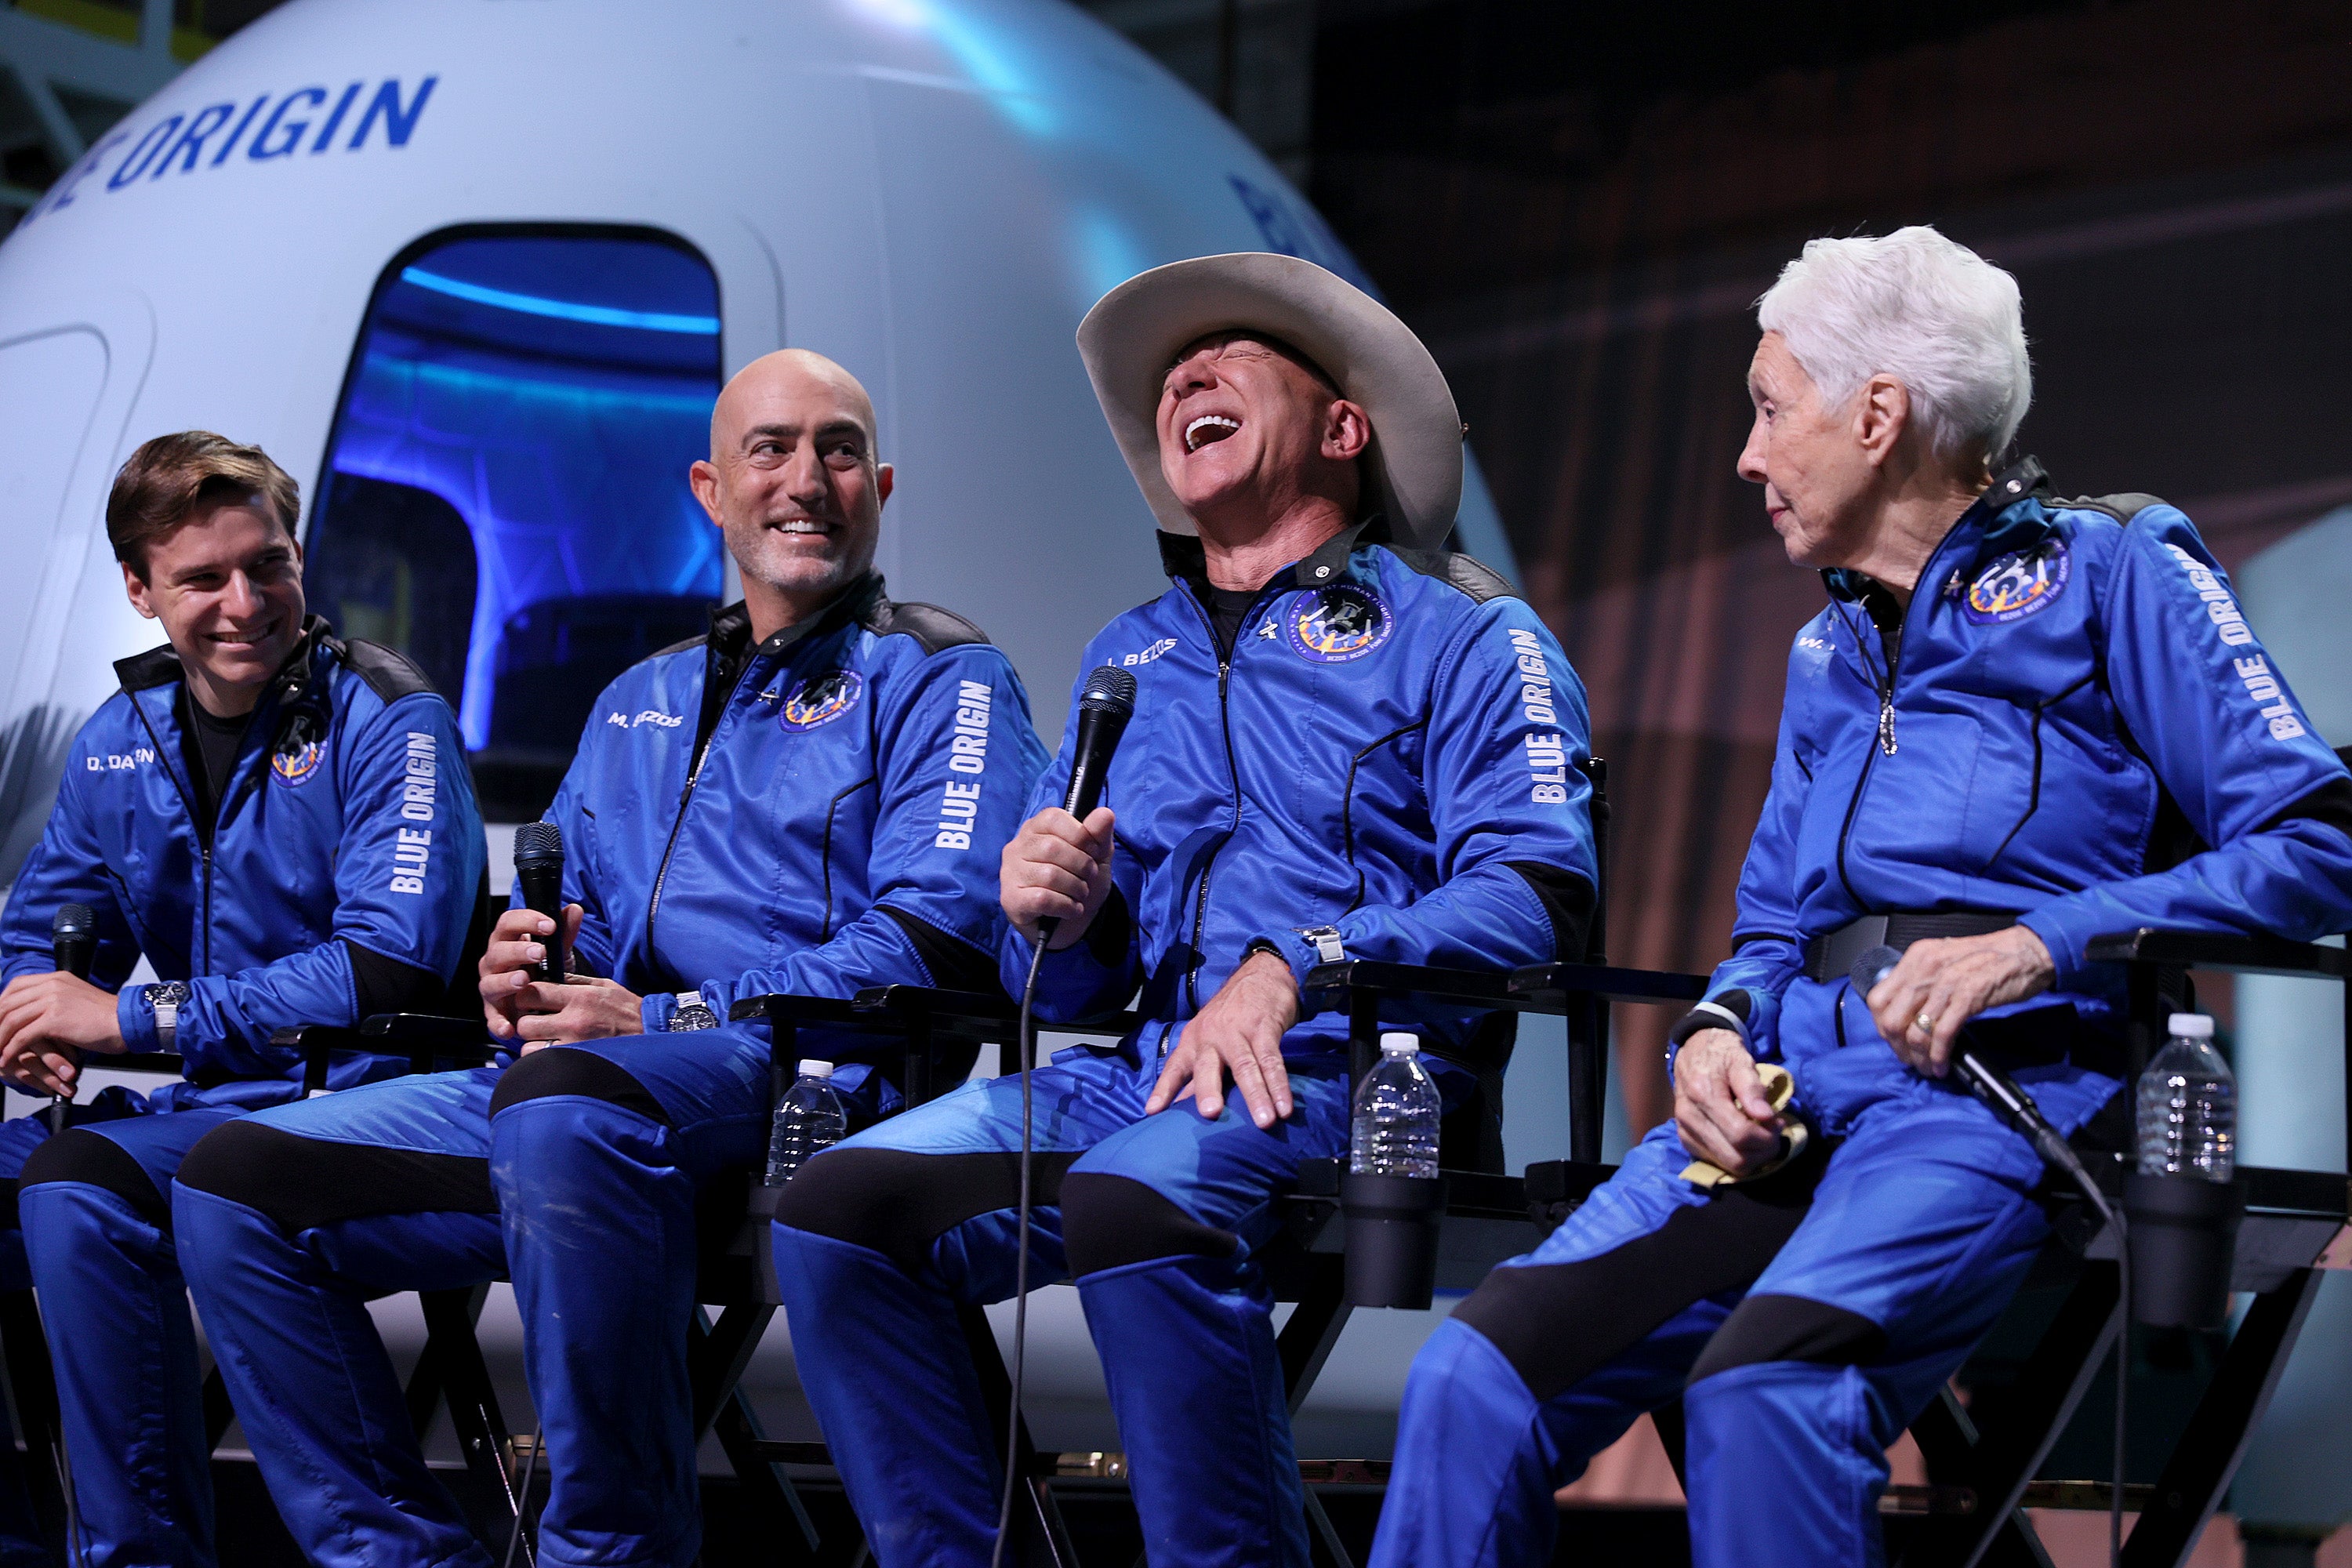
{"x": 1132, "y": 335}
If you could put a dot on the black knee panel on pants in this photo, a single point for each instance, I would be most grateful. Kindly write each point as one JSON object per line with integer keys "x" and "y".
{"x": 301, "y": 1183}
{"x": 78, "y": 1154}
{"x": 1556, "y": 1323}
{"x": 897, "y": 1203}
{"x": 559, "y": 1069}
{"x": 1789, "y": 1328}
{"x": 1110, "y": 1222}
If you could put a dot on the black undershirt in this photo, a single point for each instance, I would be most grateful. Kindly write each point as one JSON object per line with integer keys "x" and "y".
{"x": 1226, "y": 608}
{"x": 208, "y": 745}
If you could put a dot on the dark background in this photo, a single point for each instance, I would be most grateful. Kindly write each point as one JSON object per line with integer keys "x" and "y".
{"x": 1577, "y": 204}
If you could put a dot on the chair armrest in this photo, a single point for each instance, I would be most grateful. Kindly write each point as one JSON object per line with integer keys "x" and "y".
{"x": 1483, "y": 988}
{"x": 170, "y": 1062}
{"x": 2209, "y": 949}
{"x": 786, "y": 1007}
{"x": 1551, "y": 983}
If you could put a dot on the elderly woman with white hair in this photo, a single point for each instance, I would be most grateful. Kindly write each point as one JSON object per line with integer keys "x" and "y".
{"x": 2019, "y": 723}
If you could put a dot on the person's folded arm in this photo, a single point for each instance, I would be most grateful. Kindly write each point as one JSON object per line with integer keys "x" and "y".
{"x": 1511, "y": 811}
{"x": 938, "y": 835}
{"x": 2207, "y": 706}
{"x": 68, "y": 866}
{"x": 1768, "y": 954}
{"x": 400, "y": 920}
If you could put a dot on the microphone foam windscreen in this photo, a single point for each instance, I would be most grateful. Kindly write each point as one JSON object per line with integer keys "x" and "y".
{"x": 539, "y": 844}
{"x": 1109, "y": 689}
{"x": 74, "y": 920}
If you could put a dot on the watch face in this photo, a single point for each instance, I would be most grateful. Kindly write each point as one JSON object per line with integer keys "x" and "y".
{"x": 174, "y": 991}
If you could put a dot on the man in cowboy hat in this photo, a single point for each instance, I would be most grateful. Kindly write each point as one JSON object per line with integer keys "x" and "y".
{"x": 1347, "y": 743}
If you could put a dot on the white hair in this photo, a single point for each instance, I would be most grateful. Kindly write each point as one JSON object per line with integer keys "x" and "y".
{"x": 1933, "y": 314}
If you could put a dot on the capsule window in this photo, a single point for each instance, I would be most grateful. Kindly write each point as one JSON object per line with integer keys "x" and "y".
{"x": 505, "y": 498}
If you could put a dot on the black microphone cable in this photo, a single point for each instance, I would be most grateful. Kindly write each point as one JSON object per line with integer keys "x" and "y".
{"x": 2001, "y": 1095}
{"x": 1104, "y": 705}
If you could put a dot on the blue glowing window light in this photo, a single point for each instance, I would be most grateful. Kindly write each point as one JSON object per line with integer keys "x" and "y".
{"x": 561, "y": 309}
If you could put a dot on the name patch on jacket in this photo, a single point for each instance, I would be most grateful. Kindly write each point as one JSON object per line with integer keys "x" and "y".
{"x": 2023, "y": 583}
{"x": 822, "y": 699}
{"x": 1335, "y": 625}
{"x": 412, "y": 853}
{"x": 967, "y": 755}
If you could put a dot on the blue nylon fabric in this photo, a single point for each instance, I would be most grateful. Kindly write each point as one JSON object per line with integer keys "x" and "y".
{"x": 299, "y": 864}
{"x": 124, "y": 1349}
{"x": 1384, "y": 793}
{"x": 1395, "y": 744}
{"x": 771, "y": 877}
{"x": 1924, "y": 1224}
{"x": 768, "y": 881}
{"x": 2029, "y": 756}
{"x": 1187, "y": 1341}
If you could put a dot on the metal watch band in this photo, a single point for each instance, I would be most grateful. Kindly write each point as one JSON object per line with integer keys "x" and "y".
{"x": 1325, "y": 940}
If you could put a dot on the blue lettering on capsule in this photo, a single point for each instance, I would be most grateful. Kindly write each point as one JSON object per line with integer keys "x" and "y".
{"x": 281, "y": 125}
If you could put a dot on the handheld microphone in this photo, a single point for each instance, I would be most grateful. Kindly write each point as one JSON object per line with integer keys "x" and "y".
{"x": 73, "y": 943}
{"x": 73, "y": 939}
{"x": 1104, "y": 705}
{"x": 539, "y": 869}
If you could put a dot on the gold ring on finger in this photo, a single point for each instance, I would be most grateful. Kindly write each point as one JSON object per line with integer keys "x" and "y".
{"x": 1925, "y": 1023}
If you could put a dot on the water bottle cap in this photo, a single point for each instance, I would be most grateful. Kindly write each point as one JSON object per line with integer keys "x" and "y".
{"x": 815, "y": 1068}
{"x": 1401, "y": 1043}
{"x": 2194, "y": 1025}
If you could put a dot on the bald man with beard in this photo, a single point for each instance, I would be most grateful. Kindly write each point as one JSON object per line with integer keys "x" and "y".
{"x": 812, "y": 798}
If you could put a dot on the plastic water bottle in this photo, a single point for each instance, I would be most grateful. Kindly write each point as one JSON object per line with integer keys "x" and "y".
{"x": 1397, "y": 1111}
{"x": 809, "y": 1120}
{"x": 2188, "y": 1110}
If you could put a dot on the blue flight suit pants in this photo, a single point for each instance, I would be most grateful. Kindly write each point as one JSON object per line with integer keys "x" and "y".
{"x": 1804, "y": 1319}
{"x": 93, "y": 1237}
{"x": 881, "y": 1240}
{"x": 574, "y": 1172}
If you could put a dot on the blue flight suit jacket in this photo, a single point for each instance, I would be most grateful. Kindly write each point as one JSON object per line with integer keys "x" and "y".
{"x": 2073, "y": 723}
{"x": 1390, "y": 750}
{"x": 341, "y": 876}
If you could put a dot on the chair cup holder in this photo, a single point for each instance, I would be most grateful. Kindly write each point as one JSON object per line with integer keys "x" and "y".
{"x": 1392, "y": 1225}
{"x": 2184, "y": 1232}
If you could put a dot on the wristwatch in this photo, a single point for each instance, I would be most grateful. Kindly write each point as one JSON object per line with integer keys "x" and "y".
{"x": 693, "y": 1013}
{"x": 1326, "y": 943}
{"x": 166, "y": 999}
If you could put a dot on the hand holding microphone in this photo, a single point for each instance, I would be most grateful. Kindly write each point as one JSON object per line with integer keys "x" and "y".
{"x": 47, "y": 1020}
{"x": 1056, "y": 869}
{"x": 527, "y": 992}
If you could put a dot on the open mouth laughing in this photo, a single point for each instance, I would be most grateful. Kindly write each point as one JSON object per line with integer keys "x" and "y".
{"x": 1209, "y": 428}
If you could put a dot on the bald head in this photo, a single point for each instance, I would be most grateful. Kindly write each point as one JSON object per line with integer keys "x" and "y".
{"x": 788, "y": 375}
{"x": 793, "y": 484}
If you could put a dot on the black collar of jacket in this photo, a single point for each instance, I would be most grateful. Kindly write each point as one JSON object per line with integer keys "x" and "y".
{"x": 1182, "y": 558}
{"x": 728, "y": 650}
{"x": 2009, "y": 525}
{"x": 162, "y": 666}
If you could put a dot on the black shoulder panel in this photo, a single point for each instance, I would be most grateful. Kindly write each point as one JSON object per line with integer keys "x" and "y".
{"x": 681, "y": 646}
{"x": 387, "y": 671}
{"x": 156, "y": 667}
{"x": 1479, "y": 580}
{"x": 2123, "y": 506}
{"x": 935, "y": 628}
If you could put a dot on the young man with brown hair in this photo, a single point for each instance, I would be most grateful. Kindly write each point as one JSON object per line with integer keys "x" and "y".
{"x": 281, "y": 823}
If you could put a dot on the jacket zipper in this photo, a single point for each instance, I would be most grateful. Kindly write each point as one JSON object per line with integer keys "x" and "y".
{"x": 678, "y": 824}
{"x": 1893, "y": 655}
{"x": 203, "y": 959}
{"x": 1233, "y": 773}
